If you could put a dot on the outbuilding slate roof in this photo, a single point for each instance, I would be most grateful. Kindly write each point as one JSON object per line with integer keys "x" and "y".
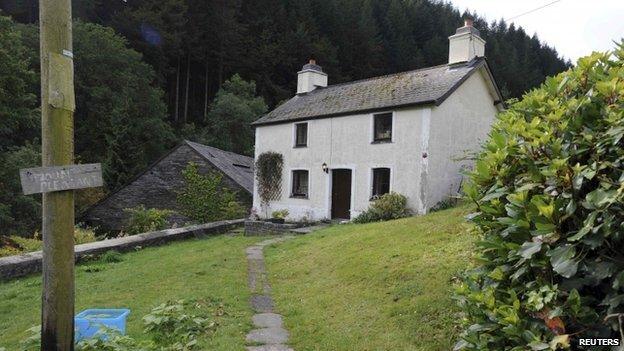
{"x": 423, "y": 86}
{"x": 235, "y": 166}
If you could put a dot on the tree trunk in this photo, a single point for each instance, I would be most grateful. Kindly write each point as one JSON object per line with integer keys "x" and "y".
{"x": 186, "y": 95}
{"x": 177, "y": 92}
{"x": 57, "y": 144}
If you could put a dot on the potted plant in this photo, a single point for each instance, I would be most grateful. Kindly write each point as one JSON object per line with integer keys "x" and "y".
{"x": 278, "y": 216}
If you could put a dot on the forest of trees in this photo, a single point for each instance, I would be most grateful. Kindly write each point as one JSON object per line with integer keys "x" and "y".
{"x": 151, "y": 72}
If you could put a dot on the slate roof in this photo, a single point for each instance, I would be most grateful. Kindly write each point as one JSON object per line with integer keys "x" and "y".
{"x": 423, "y": 86}
{"x": 235, "y": 166}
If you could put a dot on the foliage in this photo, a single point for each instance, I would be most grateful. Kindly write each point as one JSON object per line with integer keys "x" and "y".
{"x": 120, "y": 114}
{"x": 231, "y": 114}
{"x": 111, "y": 256}
{"x": 179, "y": 323}
{"x": 83, "y": 235}
{"x": 268, "y": 169}
{"x": 396, "y": 275}
{"x": 143, "y": 220}
{"x": 549, "y": 191}
{"x": 205, "y": 198}
{"x": 280, "y": 214}
{"x": 388, "y": 206}
{"x": 15, "y": 245}
{"x": 18, "y": 102}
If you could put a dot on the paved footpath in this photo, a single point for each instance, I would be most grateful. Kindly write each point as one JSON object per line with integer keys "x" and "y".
{"x": 269, "y": 334}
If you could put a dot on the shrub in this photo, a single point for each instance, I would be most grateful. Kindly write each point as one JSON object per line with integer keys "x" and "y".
{"x": 111, "y": 256}
{"x": 549, "y": 191}
{"x": 83, "y": 236}
{"x": 281, "y": 214}
{"x": 204, "y": 198}
{"x": 15, "y": 245}
{"x": 143, "y": 220}
{"x": 386, "y": 207}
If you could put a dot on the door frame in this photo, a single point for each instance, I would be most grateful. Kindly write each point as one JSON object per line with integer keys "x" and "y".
{"x": 328, "y": 197}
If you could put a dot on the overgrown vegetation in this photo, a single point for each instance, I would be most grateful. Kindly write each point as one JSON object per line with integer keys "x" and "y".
{"x": 388, "y": 206}
{"x": 142, "y": 220}
{"x": 549, "y": 190}
{"x": 15, "y": 245}
{"x": 205, "y": 198}
{"x": 171, "y": 326}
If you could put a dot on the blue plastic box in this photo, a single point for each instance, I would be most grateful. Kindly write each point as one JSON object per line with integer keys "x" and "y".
{"x": 89, "y": 322}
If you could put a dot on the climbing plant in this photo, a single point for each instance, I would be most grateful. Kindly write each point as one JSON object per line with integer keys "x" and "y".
{"x": 269, "y": 176}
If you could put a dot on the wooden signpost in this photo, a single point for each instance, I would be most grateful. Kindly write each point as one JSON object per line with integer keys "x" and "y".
{"x": 60, "y": 178}
{"x": 57, "y": 179}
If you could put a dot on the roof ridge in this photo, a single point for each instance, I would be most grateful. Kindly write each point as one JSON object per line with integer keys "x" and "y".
{"x": 380, "y": 77}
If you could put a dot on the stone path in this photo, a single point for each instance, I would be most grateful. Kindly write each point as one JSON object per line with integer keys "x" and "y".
{"x": 270, "y": 334}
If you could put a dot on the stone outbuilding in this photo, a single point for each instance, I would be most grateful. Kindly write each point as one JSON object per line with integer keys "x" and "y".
{"x": 159, "y": 184}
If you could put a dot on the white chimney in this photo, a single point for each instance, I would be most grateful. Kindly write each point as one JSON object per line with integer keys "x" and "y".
{"x": 466, "y": 43}
{"x": 310, "y": 77}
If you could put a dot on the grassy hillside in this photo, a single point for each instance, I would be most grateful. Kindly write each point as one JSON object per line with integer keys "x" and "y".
{"x": 380, "y": 286}
{"x": 212, "y": 268}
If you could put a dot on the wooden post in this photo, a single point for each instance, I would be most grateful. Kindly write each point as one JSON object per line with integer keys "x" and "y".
{"x": 57, "y": 132}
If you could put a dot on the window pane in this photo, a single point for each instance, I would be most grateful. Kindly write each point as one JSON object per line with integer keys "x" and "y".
{"x": 381, "y": 181}
{"x": 383, "y": 126}
{"x": 301, "y": 134}
{"x": 300, "y": 183}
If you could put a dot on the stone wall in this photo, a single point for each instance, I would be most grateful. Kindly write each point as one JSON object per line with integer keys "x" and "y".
{"x": 155, "y": 188}
{"x": 255, "y": 228}
{"x": 21, "y": 265}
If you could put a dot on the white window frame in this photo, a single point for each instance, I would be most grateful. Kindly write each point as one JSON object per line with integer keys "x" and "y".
{"x": 370, "y": 179}
{"x": 291, "y": 180}
{"x": 294, "y": 135}
{"x": 372, "y": 127}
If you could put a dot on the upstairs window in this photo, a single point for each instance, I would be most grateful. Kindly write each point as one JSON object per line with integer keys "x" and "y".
{"x": 382, "y": 123}
{"x": 300, "y": 183}
{"x": 381, "y": 181}
{"x": 301, "y": 135}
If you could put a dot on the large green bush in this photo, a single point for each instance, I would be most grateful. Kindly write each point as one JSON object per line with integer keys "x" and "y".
{"x": 142, "y": 220}
{"x": 549, "y": 191}
{"x": 205, "y": 198}
{"x": 388, "y": 206}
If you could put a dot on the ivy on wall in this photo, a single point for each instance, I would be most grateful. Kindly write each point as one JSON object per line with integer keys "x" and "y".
{"x": 269, "y": 176}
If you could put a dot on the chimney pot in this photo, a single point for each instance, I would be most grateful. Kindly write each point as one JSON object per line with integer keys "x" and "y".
{"x": 312, "y": 61}
{"x": 468, "y": 22}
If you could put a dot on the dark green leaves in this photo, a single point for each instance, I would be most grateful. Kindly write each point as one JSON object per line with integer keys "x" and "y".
{"x": 550, "y": 189}
{"x": 562, "y": 260}
{"x": 528, "y": 249}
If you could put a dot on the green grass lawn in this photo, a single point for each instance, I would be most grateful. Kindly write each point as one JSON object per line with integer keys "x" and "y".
{"x": 380, "y": 286}
{"x": 195, "y": 269}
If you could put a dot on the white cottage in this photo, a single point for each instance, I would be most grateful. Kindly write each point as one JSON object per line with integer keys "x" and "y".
{"x": 408, "y": 132}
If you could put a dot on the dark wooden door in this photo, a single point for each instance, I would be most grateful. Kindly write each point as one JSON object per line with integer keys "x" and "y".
{"x": 341, "y": 193}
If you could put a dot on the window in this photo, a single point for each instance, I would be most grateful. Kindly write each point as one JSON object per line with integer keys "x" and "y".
{"x": 381, "y": 181}
{"x": 301, "y": 134}
{"x": 382, "y": 127}
{"x": 300, "y": 183}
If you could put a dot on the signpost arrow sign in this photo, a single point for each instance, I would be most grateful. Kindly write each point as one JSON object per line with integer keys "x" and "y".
{"x": 60, "y": 178}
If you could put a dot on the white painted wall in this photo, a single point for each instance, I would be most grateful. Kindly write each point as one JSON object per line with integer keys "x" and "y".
{"x": 442, "y": 133}
{"x": 344, "y": 142}
{"x": 458, "y": 127}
